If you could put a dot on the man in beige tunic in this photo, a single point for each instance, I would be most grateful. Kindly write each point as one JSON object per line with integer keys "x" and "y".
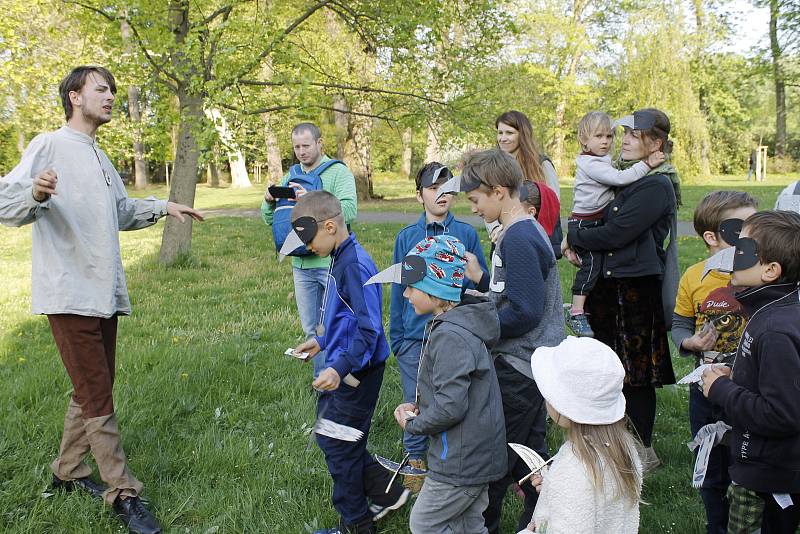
{"x": 67, "y": 187}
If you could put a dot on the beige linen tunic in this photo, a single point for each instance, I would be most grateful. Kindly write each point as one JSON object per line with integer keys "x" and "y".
{"x": 76, "y": 263}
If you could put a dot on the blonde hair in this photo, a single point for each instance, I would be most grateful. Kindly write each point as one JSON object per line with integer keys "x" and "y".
{"x": 591, "y": 123}
{"x": 611, "y": 446}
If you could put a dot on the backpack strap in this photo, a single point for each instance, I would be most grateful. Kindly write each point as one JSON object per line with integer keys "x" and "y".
{"x": 324, "y": 167}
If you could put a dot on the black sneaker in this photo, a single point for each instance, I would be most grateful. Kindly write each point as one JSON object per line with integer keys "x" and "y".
{"x": 380, "y": 511}
{"x": 85, "y": 484}
{"x": 364, "y": 527}
{"x": 136, "y": 517}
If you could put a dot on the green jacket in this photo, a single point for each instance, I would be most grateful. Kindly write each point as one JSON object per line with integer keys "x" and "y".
{"x": 336, "y": 179}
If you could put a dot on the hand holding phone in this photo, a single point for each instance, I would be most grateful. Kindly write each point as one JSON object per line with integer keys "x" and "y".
{"x": 279, "y": 191}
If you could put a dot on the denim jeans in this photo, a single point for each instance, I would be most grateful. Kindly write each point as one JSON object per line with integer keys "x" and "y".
{"x": 309, "y": 290}
{"x": 715, "y": 486}
{"x": 526, "y": 423}
{"x": 408, "y": 362}
{"x": 357, "y": 477}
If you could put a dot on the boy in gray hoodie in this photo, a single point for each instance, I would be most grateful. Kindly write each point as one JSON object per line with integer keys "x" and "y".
{"x": 458, "y": 403}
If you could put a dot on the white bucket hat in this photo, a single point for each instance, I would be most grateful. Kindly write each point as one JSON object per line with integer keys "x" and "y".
{"x": 582, "y": 379}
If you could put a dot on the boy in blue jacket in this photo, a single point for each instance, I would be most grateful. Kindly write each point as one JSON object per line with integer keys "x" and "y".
{"x": 760, "y": 393}
{"x": 405, "y": 326}
{"x": 351, "y": 334}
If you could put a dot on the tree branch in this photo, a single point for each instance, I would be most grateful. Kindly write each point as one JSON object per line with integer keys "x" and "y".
{"x": 158, "y": 68}
{"x": 280, "y": 37}
{"x": 350, "y": 112}
{"x": 225, "y": 10}
{"x": 292, "y": 106}
{"x": 344, "y": 87}
{"x": 259, "y": 111}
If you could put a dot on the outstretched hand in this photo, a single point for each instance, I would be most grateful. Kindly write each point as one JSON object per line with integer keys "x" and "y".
{"x": 179, "y": 210}
{"x": 44, "y": 185}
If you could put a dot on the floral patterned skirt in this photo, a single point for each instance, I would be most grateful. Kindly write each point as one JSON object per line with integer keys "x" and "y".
{"x": 626, "y": 314}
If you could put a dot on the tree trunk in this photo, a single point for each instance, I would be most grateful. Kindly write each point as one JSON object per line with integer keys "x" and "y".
{"x": 20, "y": 140}
{"x": 780, "y": 82}
{"x": 700, "y": 62}
{"x": 341, "y": 121}
{"x": 141, "y": 179}
{"x": 177, "y": 239}
{"x": 405, "y": 164}
{"x": 236, "y": 159}
{"x": 433, "y": 151}
{"x": 358, "y": 149}
{"x": 274, "y": 163}
{"x": 140, "y": 165}
{"x": 213, "y": 175}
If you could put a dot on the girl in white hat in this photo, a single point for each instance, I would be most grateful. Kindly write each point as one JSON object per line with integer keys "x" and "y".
{"x": 595, "y": 481}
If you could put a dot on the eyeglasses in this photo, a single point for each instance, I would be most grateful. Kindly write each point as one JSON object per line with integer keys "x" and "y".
{"x": 99, "y": 162}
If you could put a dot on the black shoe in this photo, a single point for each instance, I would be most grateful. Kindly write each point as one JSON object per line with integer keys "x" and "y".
{"x": 364, "y": 527}
{"x": 86, "y": 484}
{"x": 136, "y": 517}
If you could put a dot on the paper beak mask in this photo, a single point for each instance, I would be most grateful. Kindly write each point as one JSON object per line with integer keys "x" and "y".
{"x": 440, "y": 175}
{"x": 730, "y": 229}
{"x": 639, "y": 120}
{"x": 456, "y": 185}
{"x": 410, "y": 271}
{"x": 303, "y": 231}
{"x": 743, "y": 256}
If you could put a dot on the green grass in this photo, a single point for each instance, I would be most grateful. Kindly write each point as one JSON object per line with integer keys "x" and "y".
{"x": 215, "y": 419}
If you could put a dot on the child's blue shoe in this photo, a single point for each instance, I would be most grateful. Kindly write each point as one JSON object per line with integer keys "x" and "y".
{"x": 579, "y": 324}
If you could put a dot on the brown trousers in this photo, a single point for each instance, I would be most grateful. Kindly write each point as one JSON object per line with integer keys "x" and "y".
{"x": 88, "y": 348}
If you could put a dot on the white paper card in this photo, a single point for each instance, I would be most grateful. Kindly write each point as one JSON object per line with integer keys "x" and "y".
{"x": 784, "y": 500}
{"x": 695, "y": 375}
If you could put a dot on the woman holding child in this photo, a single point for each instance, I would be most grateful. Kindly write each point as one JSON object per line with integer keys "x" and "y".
{"x": 626, "y": 309}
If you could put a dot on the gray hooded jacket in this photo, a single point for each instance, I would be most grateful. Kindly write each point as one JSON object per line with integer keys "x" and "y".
{"x": 459, "y": 398}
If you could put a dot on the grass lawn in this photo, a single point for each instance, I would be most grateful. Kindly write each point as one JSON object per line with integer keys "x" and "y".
{"x": 215, "y": 419}
{"x": 398, "y": 194}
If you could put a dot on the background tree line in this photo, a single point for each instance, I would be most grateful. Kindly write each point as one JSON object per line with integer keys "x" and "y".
{"x": 211, "y": 87}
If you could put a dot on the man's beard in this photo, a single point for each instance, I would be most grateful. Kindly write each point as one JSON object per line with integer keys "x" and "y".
{"x": 98, "y": 119}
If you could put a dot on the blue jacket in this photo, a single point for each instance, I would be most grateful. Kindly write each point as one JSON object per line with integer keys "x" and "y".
{"x": 353, "y": 321}
{"x": 404, "y": 324}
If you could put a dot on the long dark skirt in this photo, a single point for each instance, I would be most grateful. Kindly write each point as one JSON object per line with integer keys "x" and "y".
{"x": 626, "y": 314}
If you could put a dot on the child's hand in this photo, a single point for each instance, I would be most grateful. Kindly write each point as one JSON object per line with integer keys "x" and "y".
{"x": 655, "y": 159}
{"x": 328, "y": 379}
{"x": 536, "y": 482}
{"x": 711, "y": 374}
{"x": 473, "y": 269}
{"x": 400, "y": 414}
{"x": 704, "y": 340}
{"x": 311, "y": 346}
{"x": 495, "y": 233}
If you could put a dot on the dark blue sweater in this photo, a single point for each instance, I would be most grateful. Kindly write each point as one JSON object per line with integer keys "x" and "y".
{"x": 404, "y": 324}
{"x": 526, "y": 289}
{"x": 354, "y": 337}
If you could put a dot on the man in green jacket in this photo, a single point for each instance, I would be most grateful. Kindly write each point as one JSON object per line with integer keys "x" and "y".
{"x": 311, "y": 272}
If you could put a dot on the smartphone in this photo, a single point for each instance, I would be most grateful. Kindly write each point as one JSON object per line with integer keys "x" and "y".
{"x": 279, "y": 191}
